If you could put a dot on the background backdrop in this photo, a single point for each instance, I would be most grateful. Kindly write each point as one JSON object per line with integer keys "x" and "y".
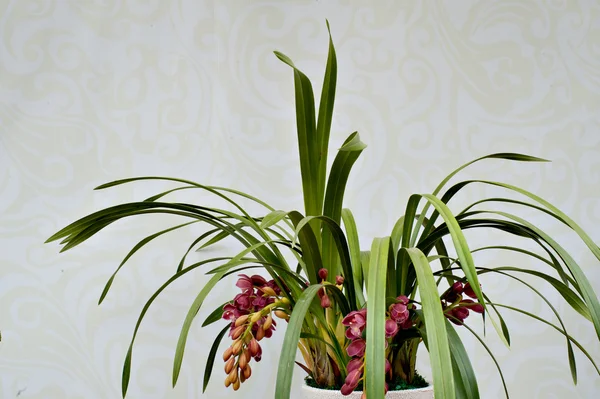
{"x": 93, "y": 91}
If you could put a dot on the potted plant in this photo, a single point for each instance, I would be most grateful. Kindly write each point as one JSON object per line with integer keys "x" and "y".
{"x": 356, "y": 315}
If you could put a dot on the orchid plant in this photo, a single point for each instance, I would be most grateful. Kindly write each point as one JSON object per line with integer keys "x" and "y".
{"x": 356, "y": 315}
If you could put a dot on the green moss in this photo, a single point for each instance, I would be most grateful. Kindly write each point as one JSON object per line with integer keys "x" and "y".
{"x": 397, "y": 385}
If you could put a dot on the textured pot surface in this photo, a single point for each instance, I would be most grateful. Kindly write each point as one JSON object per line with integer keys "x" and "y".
{"x": 314, "y": 393}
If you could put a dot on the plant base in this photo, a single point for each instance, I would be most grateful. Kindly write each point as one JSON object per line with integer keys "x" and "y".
{"x": 316, "y": 393}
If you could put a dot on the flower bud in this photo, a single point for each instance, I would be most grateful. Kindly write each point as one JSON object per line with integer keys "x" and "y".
{"x": 227, "y": 354}
{"x": 255, "y": 317}
{"x": 268, "y": 291}
{"x": 236, "y": 347}
{"x": 236, "y": 332}
{"x": 241, "y": 320}
{"x": 242, "y": 378}
{"x": 268, "y": 323}
{"x": 323, "y": 274}
{"x": 247, "y": 371}
{"x": 339, "y": 280}
{"x": 281, "y": 314}
{"x": 260, "y": 334}
{"x": 284, "y": 301}
{"x": 254, "y": 347}
{"x": 233, "y": 375}
{"x": 243, "y": 361}
{"x": 325, "y": 302}
{"x": 227, "y": 382}
{"x": 236, "y": 385}
{"x": 229, "y": 365}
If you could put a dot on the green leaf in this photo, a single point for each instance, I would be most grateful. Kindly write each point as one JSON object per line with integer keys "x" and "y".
{"x": 435, "y": 323}
{"x": 211, "y": 357}
{"x": 326, "y": 116}
{"x": 272, "y": 218}
{"x": 464, "y": 375}
{"x": 133, "y": 251}
{"x": 215, "y": 315}
{"x": 354, "y": 249}
{"x": 290, "y": 342}
{"x": 308, "y": 144}
{"x": 336, "y": 185}
{"x": 375, "y": 349}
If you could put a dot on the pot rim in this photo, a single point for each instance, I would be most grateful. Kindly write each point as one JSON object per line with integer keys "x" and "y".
{"x": 424, "y": 389}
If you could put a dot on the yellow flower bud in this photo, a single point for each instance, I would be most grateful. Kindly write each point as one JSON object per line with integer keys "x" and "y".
{"x": 227, "y": 382}
{"x": 241, "y": 320}
{"x": 268, "y": 291}
{"x": 236, "y": 347}
{"x": 227, "y": 354}
{"x": 233, "y": 376}
{"x": 281, "y": 314}
{"x": 260, "y": 334}
{"x": 247, "y": 371}
{"x": 268, "y": 322}
{"x": 235, "y": 334}
{"x": 229, "y": 365}
{"x": 284, "y": 301}
{"x": 236, "y": 385}
{"x": 255, "y": 317}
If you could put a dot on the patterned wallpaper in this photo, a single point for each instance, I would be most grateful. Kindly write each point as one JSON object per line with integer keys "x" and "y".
{"x": 92, "y": 91}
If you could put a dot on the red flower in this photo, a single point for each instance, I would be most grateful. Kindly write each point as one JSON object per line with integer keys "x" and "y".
{"x": 230, "y": 312}
{"x": 468, "y": 290}
{"x": 323, "y": 273}
{"x": 402, "y": 299}
{"x": 243, "y": 301}
{"x": 339, "y": 280}
{"x": 472, "y": 305}
{"x": 356, "y": 348}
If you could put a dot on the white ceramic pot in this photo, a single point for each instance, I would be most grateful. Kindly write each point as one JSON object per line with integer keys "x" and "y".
{"x": 314, "y": 393}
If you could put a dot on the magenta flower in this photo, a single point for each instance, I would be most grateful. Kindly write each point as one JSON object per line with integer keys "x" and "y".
{"x": 402, "y": 299}
{"x": 356, "y": 322}
{"x": 244, "y": 283}
{"x": 230, "y": 312}
{"x": 243, "y": 301}
{"x": 399, "y": 312}
{"x": 391, "y": 328}
{"x": 356, "y": 348}
{"x": 353, "y": 364}
{"x": 258, "y": 281}
{"x": 458, "y": 314}
{"x": 351, "y": 382}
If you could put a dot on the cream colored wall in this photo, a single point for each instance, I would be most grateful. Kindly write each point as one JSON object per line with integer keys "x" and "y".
{"x": 96, "y": 91}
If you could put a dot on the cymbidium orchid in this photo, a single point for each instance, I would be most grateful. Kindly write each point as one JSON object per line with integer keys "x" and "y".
{"x": 349, "y": 305}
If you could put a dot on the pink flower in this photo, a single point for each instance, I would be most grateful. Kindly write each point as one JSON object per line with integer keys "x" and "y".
{"x": 402, "y": 299}
{"x": 325, "y": 302}
{"x": 258, "y": 281}
{"x": 339, "y": 280}
{"x": 356, "y": 348}
{"x": 475, "y": 307}
{"x": 244, "y": 283}
{"x": 243, "y": 301}
{"x": 391, "y": 328}
{"x": 230, "y": 312}
{"x": 356, "y": 322}
{"x": 399, "y": 312}
{"x": 388, "y": 366}
{"x": 351, "y": 382}
{"x": 353, "y": 364}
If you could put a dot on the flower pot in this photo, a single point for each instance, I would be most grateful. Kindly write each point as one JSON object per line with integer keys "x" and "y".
{"x": 315, "y": 393}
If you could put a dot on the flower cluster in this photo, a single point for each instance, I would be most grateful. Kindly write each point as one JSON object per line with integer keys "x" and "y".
{"x": 455, "y": 307}
{"x": 398, "y": 318}
{"x": 325, "y": 301}
{"x": 251, "y": 316}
